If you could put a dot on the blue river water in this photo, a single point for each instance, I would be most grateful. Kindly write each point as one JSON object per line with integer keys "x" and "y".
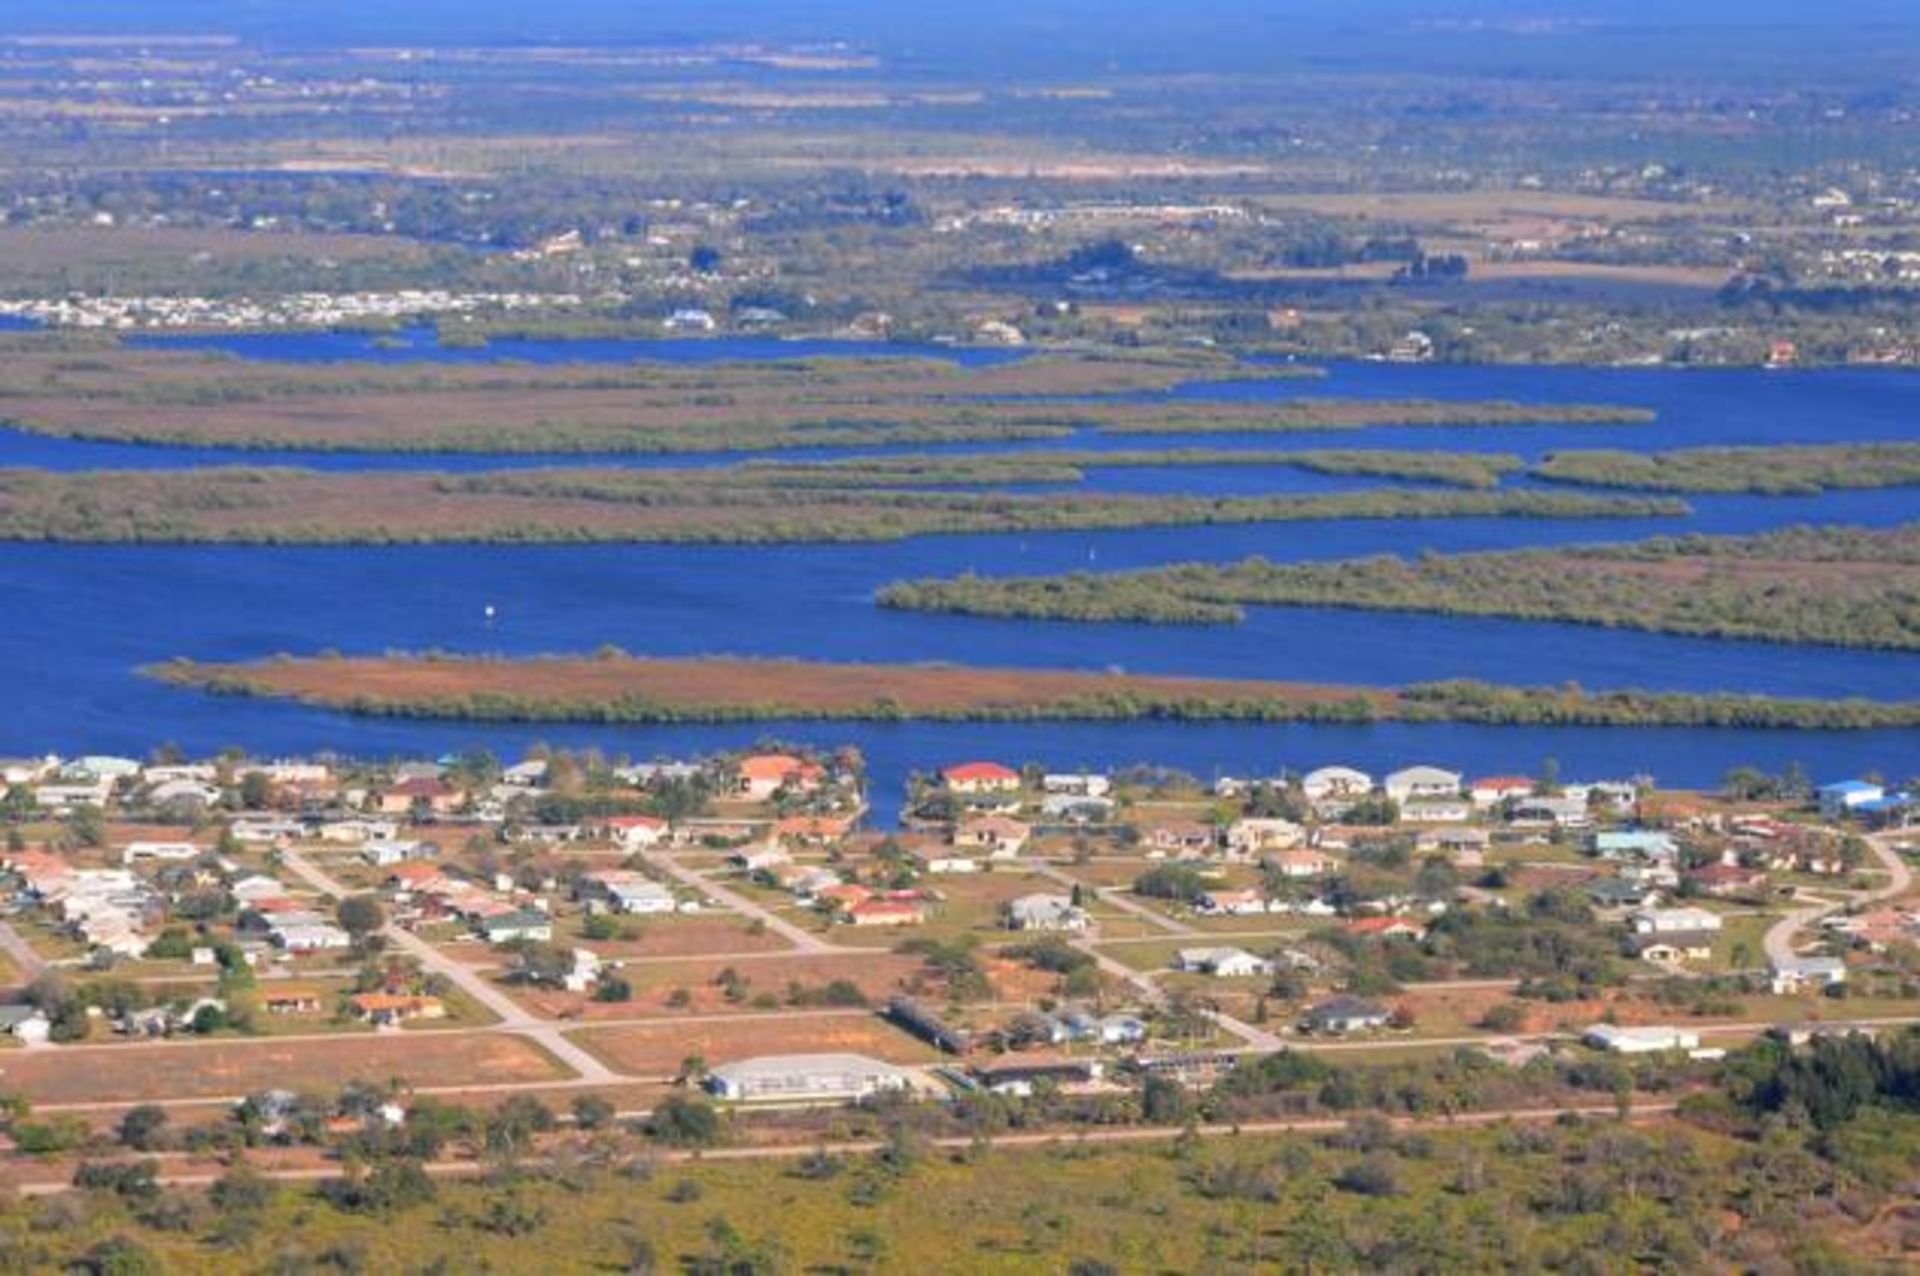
{"x": 82, "y": 619}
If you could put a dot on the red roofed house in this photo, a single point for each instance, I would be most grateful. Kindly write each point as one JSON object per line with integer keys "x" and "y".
{"x": 886, "y": 912}
{"x": 847, "y": 895}
{"x": 1492, "y": 790}
{"x": 980, "y": 777}
{"x": 1385, "y": 928}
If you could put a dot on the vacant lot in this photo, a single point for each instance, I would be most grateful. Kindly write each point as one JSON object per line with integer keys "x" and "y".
{"x": 191, "y": 1070}
{"x": 648, "y": 1050}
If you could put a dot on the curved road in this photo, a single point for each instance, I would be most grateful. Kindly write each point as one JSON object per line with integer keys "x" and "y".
{"x": 1781, "y": 936}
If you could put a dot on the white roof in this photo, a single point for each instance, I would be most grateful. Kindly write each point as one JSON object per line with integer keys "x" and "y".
{"x": 807, "y": 1065}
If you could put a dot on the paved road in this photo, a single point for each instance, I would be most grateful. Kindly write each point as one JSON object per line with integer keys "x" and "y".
{"x": 1782, "y": 935}
{"x": 514, "y": 1017}
{"x": 805, "y": 940}
{"x": 30, "y": 963}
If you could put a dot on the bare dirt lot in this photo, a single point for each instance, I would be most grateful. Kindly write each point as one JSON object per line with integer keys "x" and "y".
{"x": 216, "y": 1069}
{"x": 658, "y": 1050}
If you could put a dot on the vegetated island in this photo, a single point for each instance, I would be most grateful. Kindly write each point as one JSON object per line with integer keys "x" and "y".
{"x": 613, "y": 687}
{"x": 1453, "y": 469}
{"x": 1839, "y": 586}
{"x": 170, "y": 399}
{"x": 232, "y": 505}
{"x": 1794, "y": 470}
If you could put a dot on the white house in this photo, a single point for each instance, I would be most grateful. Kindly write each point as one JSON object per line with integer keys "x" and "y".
{"x": 1254, "y": 835}
{"x": 1336, "y": 782}
{"x": 135, "y": 852}
{"x": 1046, "y": 912}
{"x": 1420, "y": 782}
{"x": 1646, "y": 1040}
{"x": 1663, "y": 921}
{"x": 1222, "y": 963}
{"x": 1798, "y": 973}
{"x": 1436, "y": 810}
{"x": 26, "y": 1024}
{"x": 1840, "y": 800}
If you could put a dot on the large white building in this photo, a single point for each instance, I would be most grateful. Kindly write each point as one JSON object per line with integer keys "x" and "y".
{"x": 805, "y": 1077}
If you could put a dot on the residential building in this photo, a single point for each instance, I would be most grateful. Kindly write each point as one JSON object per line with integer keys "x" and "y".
{"x": 1046, "y": 912}
{"x": 1223, "y": 963}
{"x": 1341, "y": 1015}
{"x": 1417, "y": 783}
{"x": 981, "y": 777}
{"x": 1644, "y": 1040}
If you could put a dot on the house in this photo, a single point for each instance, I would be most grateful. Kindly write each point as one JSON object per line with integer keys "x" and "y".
{"x": 1336, "y": 782}
{"x": 885, "y": 912}
{"x": 1019, "y": 1075}
{"x": 1222, "y": 963}
{"x": 636, "y": 832}
{"x": 689, "y": 319}
{"x": 1385, "y": 928}
{"x": 629, "y": 892}
{"x": 1180, "y": 837}
{"x": 1837, "y": 801}
{"x": 1079, "y": 784}
{"x": 1252, "y": 836}
{"x": 517, "y": 924}
{"x": 1618, "y": 892}
{"x": 394, "y": 1008}
{"x": 760, "y": 859}
{"x": 1415, "y": 783}
{"x": 1076, "y": 809}
{"x": 1468, "y": 846}
{"x": 358, "y": 830}
{"x": 1550, "y": 812}
{"x": 583, "y": 973}
{"x": 291, "y": 1003}
{"x": 813, "y": 830}
{"x": 1720, "y": 880}
{"x": 1046, "y": 912}
{"x": 1647, "y": 1040}
{"x": 1796, "y": 974}
{"x": 1000, "y": 836}
{"x": 1341, "y": 1015}
{"x": 1234, "y": 903}
{"x": 1635, "y": 844}
{"x": 135, "y": 852}
{"x": 1300, "y": 862}
{"x": 1492, "y": 790}
{"x": 197, "y": 794}
{"x": 428, "y": 792}
{"x": 254, "y": 888}
{"x": 306, "y": 935}
{"x": 28, "y": 1025}
{"x": 385, "y": 853}
{"x": 805, "y": 1077}
{"x": 1436, "y": 810}
{"x": 759, "y": 776}
{"x": 980, "y": 777}
{"x": 264, "y": 832}
{"x": 836, "y": 895}
{"x": 1673, "y": 921}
